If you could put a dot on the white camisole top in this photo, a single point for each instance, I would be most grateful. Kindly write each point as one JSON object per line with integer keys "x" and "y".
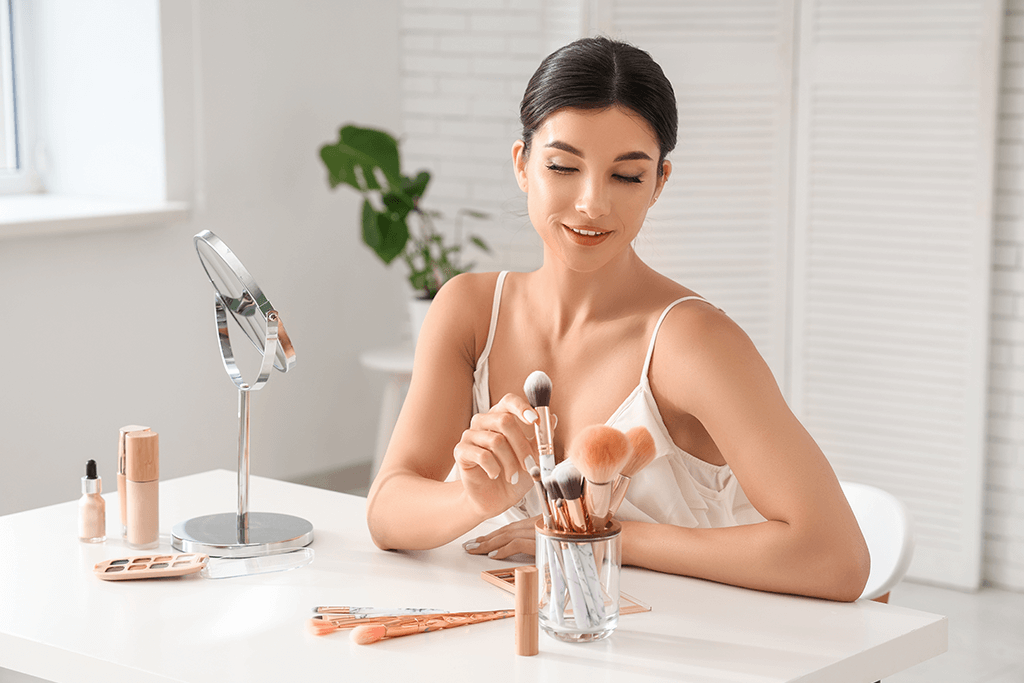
{"x": 676, "y": 488}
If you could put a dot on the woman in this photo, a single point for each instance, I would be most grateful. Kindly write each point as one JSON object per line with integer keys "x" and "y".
{"x": 739, "y": 493}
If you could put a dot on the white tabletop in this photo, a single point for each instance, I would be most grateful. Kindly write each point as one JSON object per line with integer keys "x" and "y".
{"x": 59, "y": 622}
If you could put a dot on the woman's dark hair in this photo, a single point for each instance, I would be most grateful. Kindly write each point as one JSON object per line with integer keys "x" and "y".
{"x": 597, "y": 73}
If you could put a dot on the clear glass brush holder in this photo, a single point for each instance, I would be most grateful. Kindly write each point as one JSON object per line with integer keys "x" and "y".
{"x": 579, "y": 590}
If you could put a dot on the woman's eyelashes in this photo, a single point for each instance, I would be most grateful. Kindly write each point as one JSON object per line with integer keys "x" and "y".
{"x": 567, "y": 170}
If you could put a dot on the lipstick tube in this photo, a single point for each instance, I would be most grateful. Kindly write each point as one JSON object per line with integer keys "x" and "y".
{"x": 527, "y": 608}
{"x": 142, "y": 482}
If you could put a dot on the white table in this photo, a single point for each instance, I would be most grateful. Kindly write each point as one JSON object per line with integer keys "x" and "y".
{"x": 396, "y": 364}
{"x": 59, "y": 622}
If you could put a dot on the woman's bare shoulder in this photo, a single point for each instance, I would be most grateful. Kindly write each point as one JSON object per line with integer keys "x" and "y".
{"x": 463, "y": 308}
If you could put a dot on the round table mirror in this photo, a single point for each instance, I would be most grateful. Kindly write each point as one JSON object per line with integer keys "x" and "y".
{"x": 239, "y": 298}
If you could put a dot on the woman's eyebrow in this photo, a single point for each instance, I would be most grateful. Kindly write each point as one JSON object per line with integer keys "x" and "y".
{"x": 566, "y": 147}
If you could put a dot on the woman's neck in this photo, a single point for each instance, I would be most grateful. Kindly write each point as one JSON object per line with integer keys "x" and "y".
{"x": 568, "y": 300}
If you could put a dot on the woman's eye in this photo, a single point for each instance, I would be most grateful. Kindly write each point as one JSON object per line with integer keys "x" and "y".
{"x": 560, "y": 169}
{"x": 628, "y": 178}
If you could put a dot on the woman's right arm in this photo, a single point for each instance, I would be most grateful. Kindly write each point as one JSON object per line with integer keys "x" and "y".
{"x": 410, "y": 505}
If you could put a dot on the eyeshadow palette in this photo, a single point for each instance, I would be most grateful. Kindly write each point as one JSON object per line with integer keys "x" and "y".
{"x": 505, "y": 579}
{"x": 150, "y": 566}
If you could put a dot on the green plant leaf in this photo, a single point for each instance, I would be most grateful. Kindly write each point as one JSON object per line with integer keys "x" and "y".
{"x": 364, "y": 149}
{"x": 387, "y": 234}
{"x": 479, "y": 242}
{"x": 415, "y": 187}
{"x": 476, "y": 214}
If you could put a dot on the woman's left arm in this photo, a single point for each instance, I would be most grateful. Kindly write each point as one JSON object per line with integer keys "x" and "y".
{"x": 706, "y": 367}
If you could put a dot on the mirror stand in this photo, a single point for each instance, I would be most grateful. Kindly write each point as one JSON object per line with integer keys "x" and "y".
{"x": 243, "y": 533}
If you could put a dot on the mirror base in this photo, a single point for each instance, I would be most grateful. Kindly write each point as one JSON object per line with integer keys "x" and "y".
{"x": 218, "y": 536}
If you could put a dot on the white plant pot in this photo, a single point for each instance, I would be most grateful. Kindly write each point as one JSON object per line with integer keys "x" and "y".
{"x": 417, "y": 312}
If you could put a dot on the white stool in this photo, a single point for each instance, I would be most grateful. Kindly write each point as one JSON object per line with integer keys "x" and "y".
{"x": 396, "y": 363}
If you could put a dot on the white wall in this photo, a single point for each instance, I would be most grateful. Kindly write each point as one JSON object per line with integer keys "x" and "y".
{"x": 107, "y": 329}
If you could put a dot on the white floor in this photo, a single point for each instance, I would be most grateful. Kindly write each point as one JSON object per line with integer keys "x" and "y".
{"x": 986, "y": 635}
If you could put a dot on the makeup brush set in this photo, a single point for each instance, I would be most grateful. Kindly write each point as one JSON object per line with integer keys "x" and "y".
{"x": 578, "y": 548}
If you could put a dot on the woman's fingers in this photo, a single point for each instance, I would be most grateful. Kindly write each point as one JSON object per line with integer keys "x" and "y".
{"x": 497, "y": 441}
{"x": 517, "y": 537}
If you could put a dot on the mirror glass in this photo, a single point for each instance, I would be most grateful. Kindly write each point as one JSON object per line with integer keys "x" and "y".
{"x": 242, "y": 297}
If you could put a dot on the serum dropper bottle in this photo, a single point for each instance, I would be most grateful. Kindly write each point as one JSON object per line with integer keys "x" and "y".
{"x": 92, "y": 510}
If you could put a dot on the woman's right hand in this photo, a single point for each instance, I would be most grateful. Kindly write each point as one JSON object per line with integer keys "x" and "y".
{"x": 491, "y": 453}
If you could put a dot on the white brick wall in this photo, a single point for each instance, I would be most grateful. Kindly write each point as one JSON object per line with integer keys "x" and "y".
{"x": 1004, "y": 499}
{"x": 465, "y": 64}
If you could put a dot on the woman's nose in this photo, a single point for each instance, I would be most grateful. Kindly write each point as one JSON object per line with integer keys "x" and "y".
{"x": 593, "y": 200}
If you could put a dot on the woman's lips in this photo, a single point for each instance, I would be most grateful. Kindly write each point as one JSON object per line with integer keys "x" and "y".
{"x": 586, "y": 235}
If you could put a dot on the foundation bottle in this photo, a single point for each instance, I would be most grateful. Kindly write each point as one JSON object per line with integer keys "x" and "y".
{"x": 122, "y": 494}
{"x": 92, "y": 510}
{"x": 142, "y": 492}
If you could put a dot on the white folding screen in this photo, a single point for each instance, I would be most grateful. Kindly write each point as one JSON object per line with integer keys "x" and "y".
{"x": 896, "y": 113}
{"x": 832, "y": 192}
{"x": 721, "y": 225}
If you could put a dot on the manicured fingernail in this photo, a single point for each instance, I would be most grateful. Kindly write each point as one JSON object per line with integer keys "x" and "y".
{"x": 515, "y": 478}
{"x": 493, "y": 553}
{"x": 470, "y": 545}
{"x": 530, "y": 463}
{"x": 530, "y": 416}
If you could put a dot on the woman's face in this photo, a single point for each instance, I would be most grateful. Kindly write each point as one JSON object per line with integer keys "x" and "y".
{"x": 590, "y": 178}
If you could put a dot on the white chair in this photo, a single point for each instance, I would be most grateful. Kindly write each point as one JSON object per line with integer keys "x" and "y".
{"x": 889, "y": 533}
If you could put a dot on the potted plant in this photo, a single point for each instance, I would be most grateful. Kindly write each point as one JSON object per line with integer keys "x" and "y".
{"x": 368, "y": 161}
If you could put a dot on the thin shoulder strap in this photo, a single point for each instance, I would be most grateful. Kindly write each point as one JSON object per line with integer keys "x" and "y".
{"x": 654, "y": 336}
{"x": 495, "y": 305}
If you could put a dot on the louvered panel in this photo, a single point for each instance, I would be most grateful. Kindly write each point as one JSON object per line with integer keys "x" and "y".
{"x": 891, "y": 226}
{"x": 905, "y": 20}
{"x": 720, "y": 226}
{"x": 701, "y": 20}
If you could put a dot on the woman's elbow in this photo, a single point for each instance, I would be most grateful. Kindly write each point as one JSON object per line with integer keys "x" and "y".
{"x": 848, "y": 570}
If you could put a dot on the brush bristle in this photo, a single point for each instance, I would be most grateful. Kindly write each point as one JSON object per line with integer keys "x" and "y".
{"x": 642, "y": 450}
{"x": 568, "y": 479}
{"x": 600, "y": 452}
{"x": 321, "y": 627}
{"x": 368, "y": 634}
{"x": 538, "y": 389}
{"x": 535, "y": 473}
{"x": 552, "y": 489}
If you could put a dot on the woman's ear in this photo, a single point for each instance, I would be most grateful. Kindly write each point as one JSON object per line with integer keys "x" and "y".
{"x": 519, "y": 163}
{"x": 666, "y": 171}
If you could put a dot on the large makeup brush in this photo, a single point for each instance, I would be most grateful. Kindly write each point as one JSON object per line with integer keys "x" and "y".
{"x": 641, "y": 454}
{"x": 599, "y": 452}
{"x": 538, "y": 392}
{"x": 407, "y": 626}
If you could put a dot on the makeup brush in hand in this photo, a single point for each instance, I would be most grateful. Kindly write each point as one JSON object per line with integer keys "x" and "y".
{"x": 406, "y": 626}
{"x": 641, "y": 454}
{"x": 599, "y": 452}
{"x": 538, "y": 392}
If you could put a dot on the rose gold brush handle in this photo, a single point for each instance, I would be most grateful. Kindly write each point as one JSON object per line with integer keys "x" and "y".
{"x": 406, "y": 626}
{"x": 618, "y": 494}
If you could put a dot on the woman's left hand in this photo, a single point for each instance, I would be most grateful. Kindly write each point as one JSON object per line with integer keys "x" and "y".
{"x": 509, "y": 540}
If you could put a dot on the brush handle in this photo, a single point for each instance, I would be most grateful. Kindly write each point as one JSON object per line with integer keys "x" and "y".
{"x": 599, "y": 499}
{"x": 573, "y": 582}
{"x": 545, "y": 442}
{"x": 344, "y": 610}
{"x": 407, "y": 626}
{"x": 618, "y": 494}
